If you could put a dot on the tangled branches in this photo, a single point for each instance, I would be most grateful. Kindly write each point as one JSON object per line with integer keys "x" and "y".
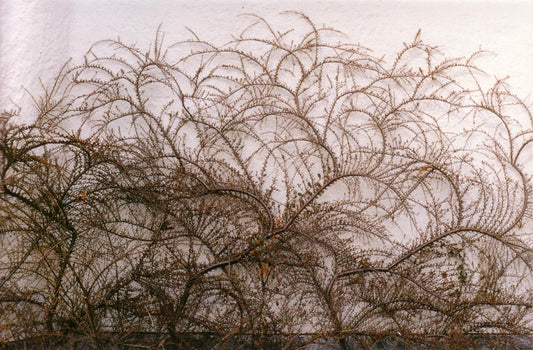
{"x": 280, "y": 190}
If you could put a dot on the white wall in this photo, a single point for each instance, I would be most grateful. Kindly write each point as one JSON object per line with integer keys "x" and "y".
{"x": 38, "y": 36}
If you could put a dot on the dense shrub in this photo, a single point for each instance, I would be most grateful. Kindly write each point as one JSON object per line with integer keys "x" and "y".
{"x": 283, "y": 189}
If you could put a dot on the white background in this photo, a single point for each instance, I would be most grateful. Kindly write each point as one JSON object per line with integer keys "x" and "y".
{"x": 38, "y": 36}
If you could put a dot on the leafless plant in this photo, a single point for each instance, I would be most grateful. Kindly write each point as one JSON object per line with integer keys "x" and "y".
{"x": 280, "y": 190}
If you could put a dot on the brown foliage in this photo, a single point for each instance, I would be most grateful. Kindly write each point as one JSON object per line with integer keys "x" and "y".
{"x": 280, "y": 190}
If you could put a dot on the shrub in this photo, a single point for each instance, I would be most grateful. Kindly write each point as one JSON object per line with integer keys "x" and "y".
{"x": 283, "y": 189}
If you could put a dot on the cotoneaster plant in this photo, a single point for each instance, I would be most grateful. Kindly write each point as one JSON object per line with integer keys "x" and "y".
{"x": 286, "y": 188}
